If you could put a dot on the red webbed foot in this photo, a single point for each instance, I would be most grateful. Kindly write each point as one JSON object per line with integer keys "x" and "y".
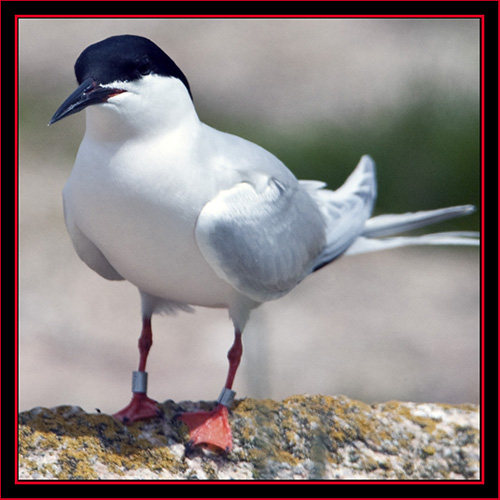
{"x": 209, "y": 428}
{"x": 141, "y": 407}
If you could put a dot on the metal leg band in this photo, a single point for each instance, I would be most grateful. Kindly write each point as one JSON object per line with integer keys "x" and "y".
{"x": 140, "y": 382}
{"x": 226, "y": 397}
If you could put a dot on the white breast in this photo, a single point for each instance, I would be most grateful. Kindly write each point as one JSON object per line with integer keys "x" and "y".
{"x": 142, "y": 217}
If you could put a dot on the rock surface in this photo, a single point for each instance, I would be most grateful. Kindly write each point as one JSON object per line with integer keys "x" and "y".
{"x": 302, "y": 437}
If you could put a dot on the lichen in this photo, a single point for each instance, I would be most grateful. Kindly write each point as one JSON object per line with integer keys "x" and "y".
{"x": 84, "y": 440}
{"x": 301, "y": 437}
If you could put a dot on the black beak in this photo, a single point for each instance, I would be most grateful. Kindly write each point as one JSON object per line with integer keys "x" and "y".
{"x": 88, "y": 93}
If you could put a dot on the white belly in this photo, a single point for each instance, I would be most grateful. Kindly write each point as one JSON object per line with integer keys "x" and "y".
{"x": 143, "y": 221}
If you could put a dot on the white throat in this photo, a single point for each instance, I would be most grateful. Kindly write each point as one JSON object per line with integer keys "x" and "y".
{"x": 154, "y": 105}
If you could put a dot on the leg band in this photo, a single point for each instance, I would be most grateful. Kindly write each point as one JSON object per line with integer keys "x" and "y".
{"x": 140, "y": 382}
{"x": 226, "y": 397}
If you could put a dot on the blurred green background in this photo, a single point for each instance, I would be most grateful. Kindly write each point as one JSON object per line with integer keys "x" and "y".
{"x": 427, "y": 152}
{"x": 318, "y": 93}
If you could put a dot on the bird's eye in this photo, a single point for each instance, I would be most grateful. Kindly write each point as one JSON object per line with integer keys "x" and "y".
{"x": 144, "y": 66}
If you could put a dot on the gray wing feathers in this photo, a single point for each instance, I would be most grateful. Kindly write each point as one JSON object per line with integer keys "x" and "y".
{"x": 346, "y": 210}
{"x": 263, "y": 241}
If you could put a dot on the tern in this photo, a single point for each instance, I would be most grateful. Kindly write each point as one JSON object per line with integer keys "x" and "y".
{"x": 193, "y": 216}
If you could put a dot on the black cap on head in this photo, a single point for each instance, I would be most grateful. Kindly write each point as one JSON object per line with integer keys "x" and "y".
{"x": 125, "y": 58}
{"x": 122, "y": 58}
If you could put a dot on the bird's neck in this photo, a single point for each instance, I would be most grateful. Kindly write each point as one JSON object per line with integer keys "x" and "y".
{"x": 107, "y": 125}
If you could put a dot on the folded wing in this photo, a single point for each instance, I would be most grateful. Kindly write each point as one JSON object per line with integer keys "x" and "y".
{"x": 261, "y": 237}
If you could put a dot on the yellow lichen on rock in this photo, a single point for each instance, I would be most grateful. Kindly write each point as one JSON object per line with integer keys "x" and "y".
{"x": 302, "y": 437}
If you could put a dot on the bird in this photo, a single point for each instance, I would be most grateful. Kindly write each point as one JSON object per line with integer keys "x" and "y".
{"x": 193, "y": 216}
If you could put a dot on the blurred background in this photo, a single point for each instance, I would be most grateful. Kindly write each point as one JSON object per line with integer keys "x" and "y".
{"x": 318, "y": 93}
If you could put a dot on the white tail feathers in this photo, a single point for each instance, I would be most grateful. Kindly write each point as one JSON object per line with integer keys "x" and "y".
{"x": 385, "y": 225}
{"x": 364, "y": 245}
{"x": 349, "y": 229}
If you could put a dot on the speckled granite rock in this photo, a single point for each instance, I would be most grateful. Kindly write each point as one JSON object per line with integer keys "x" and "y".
{"x": 302, "y": 437}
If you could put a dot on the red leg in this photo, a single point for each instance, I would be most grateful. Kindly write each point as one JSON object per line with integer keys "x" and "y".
{"x": 234, "y": 357}
{"x": 145, "y": 343}
{"x": 212, "y": 427}
{"x": 140, "y": 407}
